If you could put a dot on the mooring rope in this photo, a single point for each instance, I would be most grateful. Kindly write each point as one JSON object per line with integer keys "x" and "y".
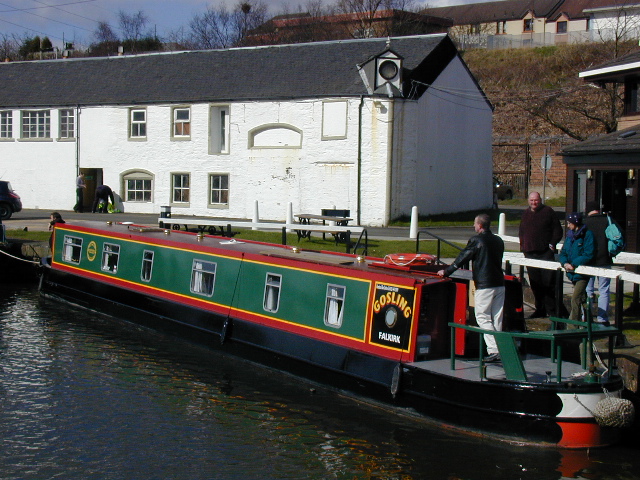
{"x": 18, "y": 258}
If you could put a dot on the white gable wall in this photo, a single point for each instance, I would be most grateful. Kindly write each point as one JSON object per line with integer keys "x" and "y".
{"x": 443, "y": 158}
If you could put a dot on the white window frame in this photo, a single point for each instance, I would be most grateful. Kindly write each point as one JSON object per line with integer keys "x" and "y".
{"x": 272, "y": 288}
{"x": 184, "y": 192}
{"x": 110, "y": 257}
{"x": 35, "y": 124}
{"x": 72, "y": 249}
{"x": 137, "y": 126}
{"x": 334, "y": 305}
{"x": 67, "y": 124}
{"x": 203, "y": 277}
{"x": 6, "y": 124}
{"x": 141, "y": 179}
{"x": 222, "y": 191}
{"x": 181, "y": 126}
{"x": 146, "y": 270}
{"x": 219, "y": 121}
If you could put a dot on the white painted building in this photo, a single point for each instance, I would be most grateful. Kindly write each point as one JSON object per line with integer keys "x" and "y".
{"x": 375, "y": 126}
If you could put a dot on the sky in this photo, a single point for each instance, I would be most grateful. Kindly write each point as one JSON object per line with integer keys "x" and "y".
{"x": 76, "y": 20}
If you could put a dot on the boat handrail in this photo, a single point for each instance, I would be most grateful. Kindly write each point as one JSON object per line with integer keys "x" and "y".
{"x": 439, "y": 240}
{"x": 585, "y": 331}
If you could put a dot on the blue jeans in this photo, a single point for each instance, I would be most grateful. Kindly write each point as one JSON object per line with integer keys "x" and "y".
{"x": 604, "y": 284}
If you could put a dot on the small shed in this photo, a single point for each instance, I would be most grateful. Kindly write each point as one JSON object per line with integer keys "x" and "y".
{"x": 606, "y": 169}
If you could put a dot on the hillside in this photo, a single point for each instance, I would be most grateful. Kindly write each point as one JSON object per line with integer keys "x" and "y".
{"x": 537, "y": 92}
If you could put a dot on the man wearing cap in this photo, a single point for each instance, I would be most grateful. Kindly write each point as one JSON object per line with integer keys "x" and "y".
{"x": 578, "y": 249}
{"x": 597, "y": 223}
{"x": 540, "y": 231}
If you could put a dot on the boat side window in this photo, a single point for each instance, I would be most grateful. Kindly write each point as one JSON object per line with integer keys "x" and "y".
{"x": 72, "y": 249}
{"x": 110, "y": 256}
{"x": 203, "y": 276}
{"x": 334, "y": 306}
{"x": 147, "y": 265}
{"x": 272, "y": 292}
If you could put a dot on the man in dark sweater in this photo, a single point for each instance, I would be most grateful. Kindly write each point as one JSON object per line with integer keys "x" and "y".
{"x": 597, "y": 222}
{"x": 540, "y": 231}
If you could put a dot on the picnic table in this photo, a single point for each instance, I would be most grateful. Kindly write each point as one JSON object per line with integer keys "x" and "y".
{"x": 308, "y": 218}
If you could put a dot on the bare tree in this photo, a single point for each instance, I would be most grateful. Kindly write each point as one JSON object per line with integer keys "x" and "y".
{"x": 366, "y": 12}
{"x": 10, "y": 46}
{"x": 105, "y": 34}
{"x": 132, "y": 27}
{"x": 222, "y": 28}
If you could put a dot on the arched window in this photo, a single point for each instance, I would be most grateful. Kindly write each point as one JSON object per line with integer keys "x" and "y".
{"x": 275, "y": 136}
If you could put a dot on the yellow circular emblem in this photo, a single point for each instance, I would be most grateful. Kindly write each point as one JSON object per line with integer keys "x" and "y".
{"x": 92, "y": 249}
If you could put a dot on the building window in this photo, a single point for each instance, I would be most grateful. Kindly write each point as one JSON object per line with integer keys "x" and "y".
{"x": 181, "y": 122}
{"x": 67, "y": 123}
{"x": 180, "y": 188}
{"x": 36, "y": 124}
{"x": 561, "y": 27}
{"x": 138, "y": 186}
{"x": 147, "y": 266}
{"x": 334, "y": 120}
{"x": 219, "y": 189}
{"x": 110, "y": 256}
{"x": 72, "y": 249}
{"x": 219, "y": 129}
{"x": 275, "y": 136}
{"x": 333, "y": 311}
{"x": 528, "y": 25}
{"x": 6, "y": 124}
{"x": 138, "y": 123}
{"x": 272, "y": 292}
{"x": 203, "y": 276}
{"x": 631, "y": 97}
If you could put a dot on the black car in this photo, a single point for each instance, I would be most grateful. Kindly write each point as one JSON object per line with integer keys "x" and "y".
{"x": 9, "y": 201}
{"x": 505, "y": 192}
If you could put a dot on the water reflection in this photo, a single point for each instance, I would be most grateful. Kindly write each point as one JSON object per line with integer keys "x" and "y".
{"x": 86, "y": 397}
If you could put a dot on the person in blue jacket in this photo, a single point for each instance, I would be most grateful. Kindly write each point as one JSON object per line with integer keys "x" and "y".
{"x": 579, "y": 249}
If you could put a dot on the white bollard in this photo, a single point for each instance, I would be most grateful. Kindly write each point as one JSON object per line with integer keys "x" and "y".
{"x": 502, "y": 224}
{"x": 256, "y": 217}
{"x": 289, "y": 216}
{"x": 413, "y": 229}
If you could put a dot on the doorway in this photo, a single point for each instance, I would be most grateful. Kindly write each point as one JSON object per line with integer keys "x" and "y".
{"x": 92, "y": 179}
{"x": 612, "y": 194}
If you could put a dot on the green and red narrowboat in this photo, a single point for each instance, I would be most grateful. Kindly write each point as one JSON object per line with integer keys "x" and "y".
{"x": 392, "y": 331}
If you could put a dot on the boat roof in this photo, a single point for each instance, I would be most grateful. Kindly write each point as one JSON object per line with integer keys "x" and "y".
{"x": 203, "y": 242}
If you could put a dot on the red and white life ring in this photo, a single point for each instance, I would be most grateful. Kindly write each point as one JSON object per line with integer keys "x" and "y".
{"x": 407, "y": 259}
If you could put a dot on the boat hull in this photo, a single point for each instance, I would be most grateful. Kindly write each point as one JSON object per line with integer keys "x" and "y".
{"x": 517, "y": 412}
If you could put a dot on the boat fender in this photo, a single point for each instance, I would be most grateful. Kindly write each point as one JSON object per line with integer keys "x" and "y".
{"x": 406, "y": 259}
{"x": 226, "y": 326}
{"x": 612, "y": 411}
{"x": 395, "y": 380}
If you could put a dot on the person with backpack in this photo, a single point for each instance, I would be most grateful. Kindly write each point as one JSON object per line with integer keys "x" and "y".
{"x": 598, "y": 223}
{"x": 578, "y": 250}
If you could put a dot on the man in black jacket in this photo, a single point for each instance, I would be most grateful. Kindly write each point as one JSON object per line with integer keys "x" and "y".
{"x": 486, "y": 251}
{"x": 597, "y": 222}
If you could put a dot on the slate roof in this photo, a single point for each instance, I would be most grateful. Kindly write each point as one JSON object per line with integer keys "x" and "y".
{"x": 620, "y": 142}
{"x": 308, "y": 70}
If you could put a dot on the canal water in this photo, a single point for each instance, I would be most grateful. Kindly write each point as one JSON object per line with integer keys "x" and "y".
{"x": 84, "y": 397}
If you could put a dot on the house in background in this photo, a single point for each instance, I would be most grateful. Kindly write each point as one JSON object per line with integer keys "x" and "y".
{"x": 606, "y": 168}
{"x": 528, "y": 23}
{"x": 375, "y": 126}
